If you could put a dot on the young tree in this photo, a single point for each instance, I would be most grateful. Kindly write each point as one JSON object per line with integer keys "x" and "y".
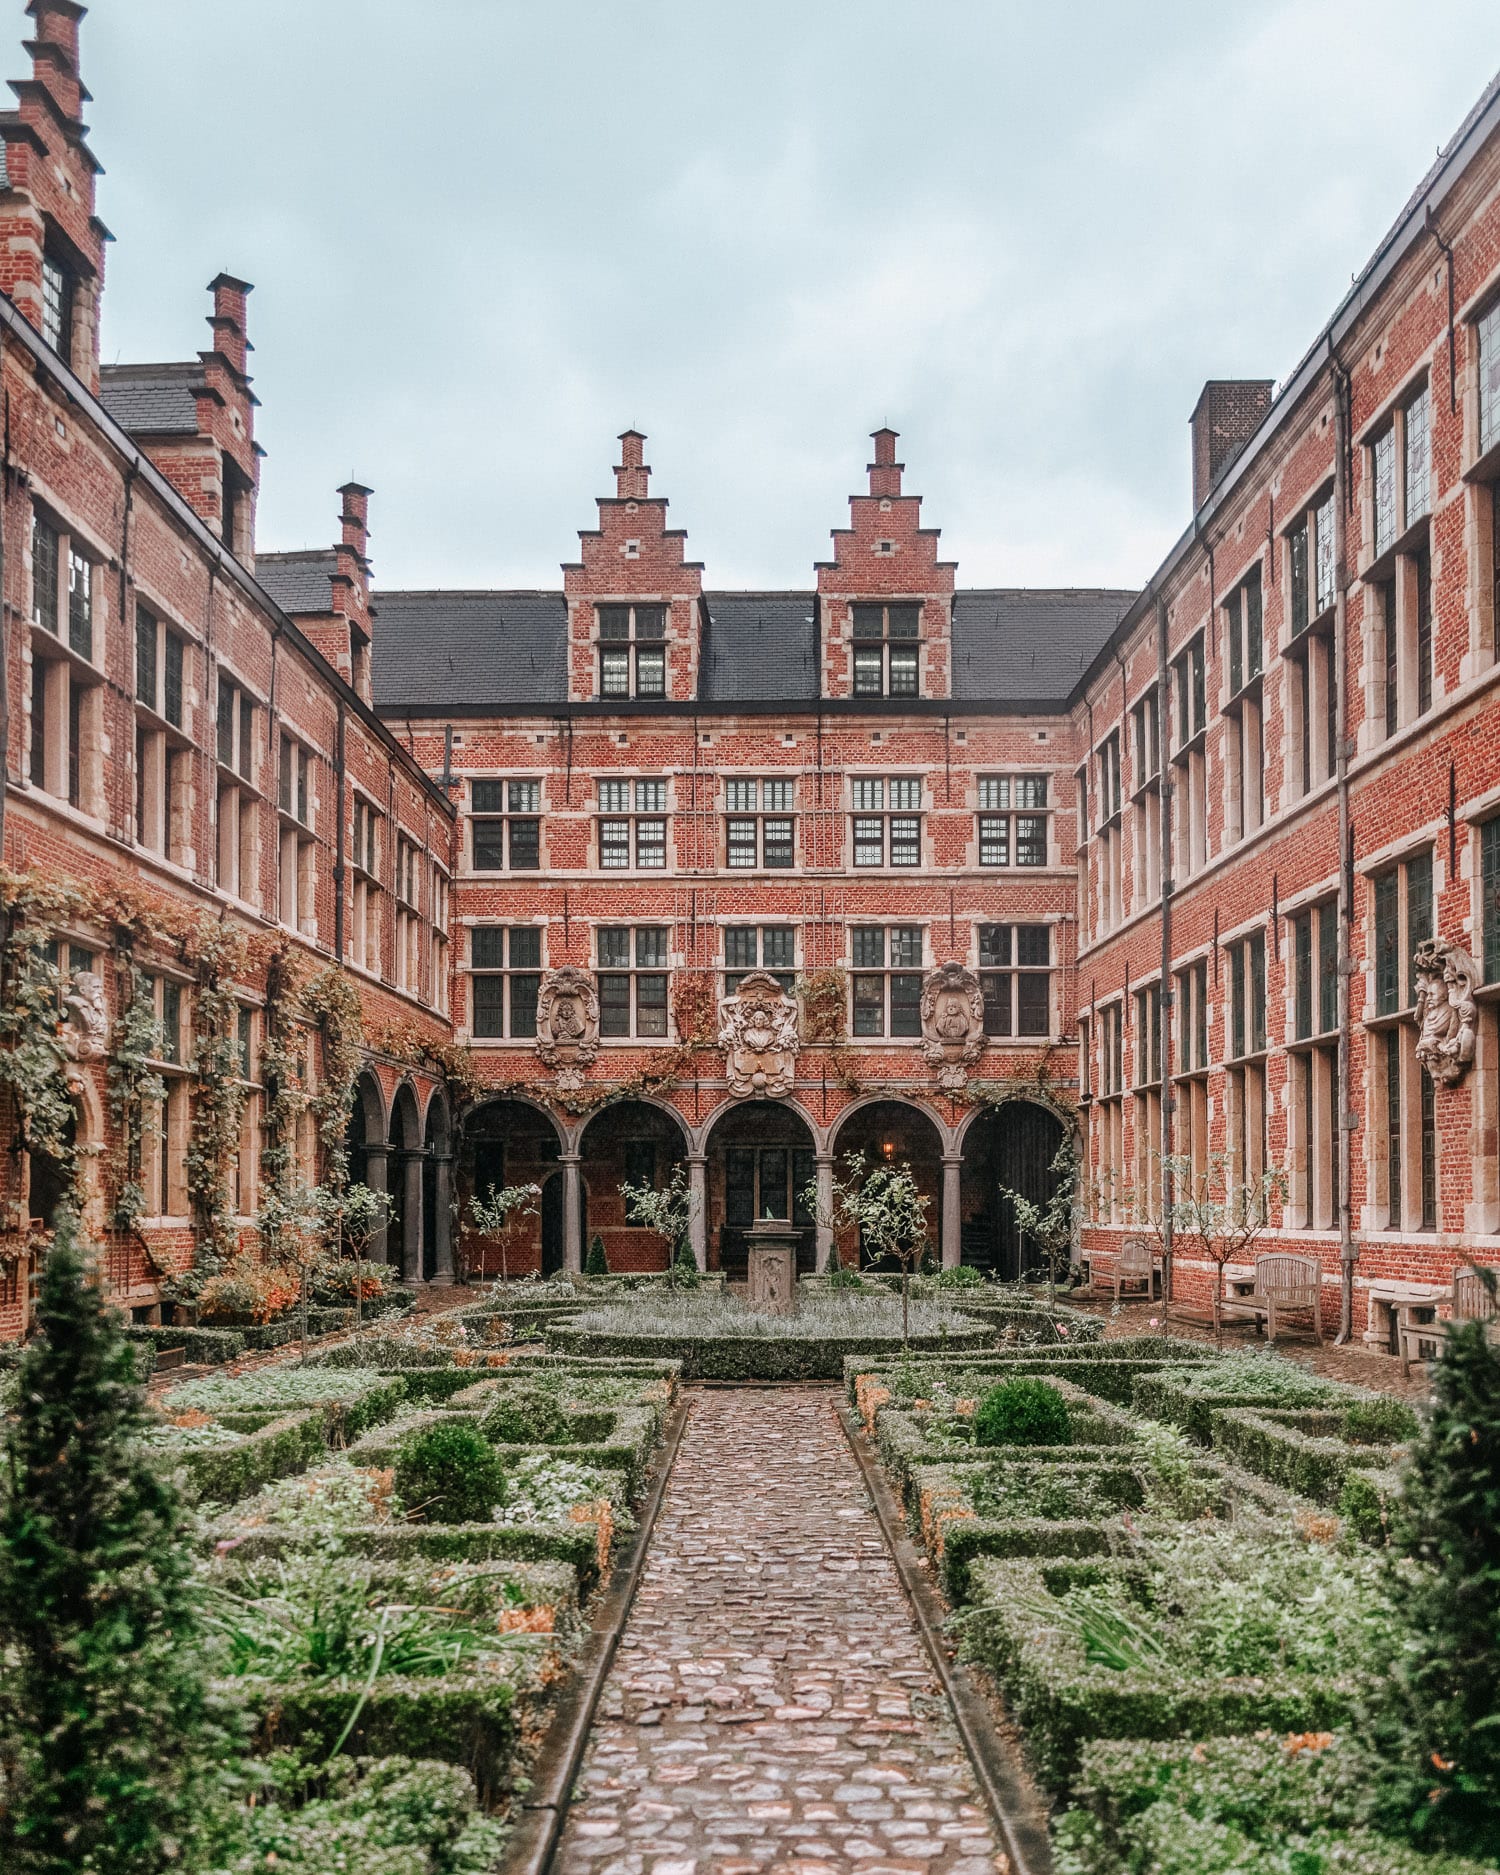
{"x": 294, "y": 1226}
{"x": 882, "y": 1203}
{"x": 350, "y": 1218}
{"x": 113, "y": 1751}
{"x": 1053, "y": 1226}
{"x": 597, "y": 1263}
{"x": 1218, "y": 1216}
{"x": 499, "y": 1211}
{"x": 669, "y": 1212}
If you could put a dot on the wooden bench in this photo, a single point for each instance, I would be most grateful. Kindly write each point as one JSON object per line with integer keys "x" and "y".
{"x": 1284, "y": 1285}
{"x": 1136, "y": 1264}
{"x": 1473, "y": 1300}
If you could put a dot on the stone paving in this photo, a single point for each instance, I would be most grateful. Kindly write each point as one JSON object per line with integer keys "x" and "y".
{"x": 771, "y": 1710}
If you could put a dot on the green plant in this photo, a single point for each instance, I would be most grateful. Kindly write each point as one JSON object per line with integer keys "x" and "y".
{"x": 450, "y": 1473}
{"x": 1364, "y": 1508}
{"x": 499, "y": 1211}
{"x": 669, "y": 1212}
{"x": 113, "y": 1748}
{"x": 597, "y": 1263}
{"x": 1382, "y": 1421}
{"x": 1024, "y": 1411}
{"x": 882, "y": 1205}
{"x": 525, "y": 1416}
{"x": 1052, "y": 1227}
{"x": 1438, "y": 1721}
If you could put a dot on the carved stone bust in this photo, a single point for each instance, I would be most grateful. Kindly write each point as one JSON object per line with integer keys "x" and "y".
{"x": 87, "y": 1031}
{"x": 952, "y": 1011}
{"x": 1446, "y": 1011}
{"x": 758, "y": 1033}
{"x": 567, "y": 1024}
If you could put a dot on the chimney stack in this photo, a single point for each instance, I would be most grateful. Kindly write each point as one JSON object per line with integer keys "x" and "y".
{"x": 1227, "y": 414}
{"x": 54, "y": 53}
{"x": 354, "y": 518}
{"x": 631, "y": 473}
{"x": 885, "y": 471}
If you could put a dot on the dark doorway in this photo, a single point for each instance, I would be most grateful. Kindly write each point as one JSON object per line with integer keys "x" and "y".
{"x": 894, "y": 1133}
{"x": 760, "y": 1164}
{"x": 1009, "y": 1149}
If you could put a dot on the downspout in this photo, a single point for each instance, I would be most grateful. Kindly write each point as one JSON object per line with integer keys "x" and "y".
{"x": 339, "y": 781}
{"x": 1166, "y": 998}
{"x": 1348, "y": 1249}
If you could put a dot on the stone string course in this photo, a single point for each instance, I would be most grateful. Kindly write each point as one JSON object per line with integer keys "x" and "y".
{"x": 771, "y": 1707}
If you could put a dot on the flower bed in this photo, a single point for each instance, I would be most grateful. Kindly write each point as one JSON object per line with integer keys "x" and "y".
{"x": 718, "y": 1338}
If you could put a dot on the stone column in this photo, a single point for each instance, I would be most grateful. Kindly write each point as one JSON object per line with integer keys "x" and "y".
{"x": 953, "y": 1227}
{"x": 375, "y": 1178}
{"x": 411, "y": 1206}
{"x": 572, "y": 1211}
{"x": 698, "y": 1207}
{"x": 824, "y": 1164}
{"x": 442, "y": 1164}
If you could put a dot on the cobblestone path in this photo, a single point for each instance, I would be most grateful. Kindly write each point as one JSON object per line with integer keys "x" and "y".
{"x": 771, "y": 1710}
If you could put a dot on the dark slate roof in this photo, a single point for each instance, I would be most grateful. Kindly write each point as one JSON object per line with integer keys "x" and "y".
{"x": 760, "y": 647}
{"x": 469, "y": 651}
{"x": 298, "y": 582}
{"x": 151, "y": 400}
{"x": 472, "y": 652}
{"x": 1026, "y": 645}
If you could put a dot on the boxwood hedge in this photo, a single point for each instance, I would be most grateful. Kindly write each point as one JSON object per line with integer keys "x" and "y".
{"x": 407, "y": 1543}
{"x": 222, "y": 1474}
{"x": 748, "y": 1357}
{"x": 1190, "y": 1399}
{"x": 1303, "y": 1451}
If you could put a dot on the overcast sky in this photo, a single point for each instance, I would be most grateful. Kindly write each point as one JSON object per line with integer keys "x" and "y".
{"x": 488, "y": 235}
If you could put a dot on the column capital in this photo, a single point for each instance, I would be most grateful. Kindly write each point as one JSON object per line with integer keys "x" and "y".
{"x": 953, "y": 1158}
{"x": 697, "y": 1158}
{"x": 570, "y": 1158}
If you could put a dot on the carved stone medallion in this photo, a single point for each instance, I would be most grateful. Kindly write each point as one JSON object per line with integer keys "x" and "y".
{"x": 1446, "y": 1011}
{"x": 952, "y": 1011}
{"x": 87, "y": 1030}
{"x": 567, "y": 1025}
{"x": 758, "y": 1033}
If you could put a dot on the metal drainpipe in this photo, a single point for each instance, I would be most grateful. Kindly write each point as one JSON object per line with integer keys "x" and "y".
{"x": 1166, "y": 999}
{"x": 1348, "y": 1249}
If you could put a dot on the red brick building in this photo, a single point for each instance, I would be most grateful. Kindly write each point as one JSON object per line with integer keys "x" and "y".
{"x": 635, "y": 873}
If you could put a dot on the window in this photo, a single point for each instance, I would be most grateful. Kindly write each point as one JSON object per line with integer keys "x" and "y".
{"x": 1192, "y": 1064}
{"x": 1312, "y": 1073}
{"x": 887, "y": 964}
{"x": 1144, "y": 722}
{"x": 1383, "y": 490}
{"x": 1408, "y": 887}
{"x": 1112, "y": 1113}
{"x": 57, "y": 307}
{"x": 1488, "y": 332}
{"x": 409, "y": 893}
{"x": 437, "y": 950}
{"x": 364, "y": 863}
{"x": 1489, "y": 899}
{"x": 161, "y": 759}
{"x": 1247, "y": 996}
{"x": 1417, "y": 456}
{"x": 759, "y": 947}
{"x": 45, "y": 561}
{"x": 1015, "y": 977}
{"x": 80, "y": 604}
{"x": 165, "y": 1147}
{"x": 1245, "y": 807}
{"x": 297, "y": 851}
{"x": 505, "y": 828}
{"x": 632, "y": 650}
{"x": 1404, "y": 1147}
{"x": 505, "y": 965}
{"x": 759, "y": 825}
{"x": 1242, "y": 631}
{"x": 632, "y": 825}
{"x": 1148, "y": 1035}
{"x": 767, "y": 1181}
{"x": 886, "y": 647}
{"x": 1310, "y": 565}
{"x": 238, "y": 822}
{"x": 67, "y": 697}
{"x": 1111, "y": 845}
{"x": 633, "y": 980}
{"x": 1148, "y": 1140}
{"x": 1422, "y": 570}
{"x": 1191, "y": 687}
{"x": 884, "y": 838}
{"x": 1008, "y": 838}
{"x": 1190, "y": 822}
{"x": 1246, "y": 1076}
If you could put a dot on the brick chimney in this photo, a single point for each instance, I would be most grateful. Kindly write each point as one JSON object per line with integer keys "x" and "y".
{"x": 226, "y": 413}
{"x": 631, "y": 472}
{"x": 1227, "y": 414}
{"x": 885, "y": 471}
{"x": 51, "y": 241}
{"x": 351, "y": 580}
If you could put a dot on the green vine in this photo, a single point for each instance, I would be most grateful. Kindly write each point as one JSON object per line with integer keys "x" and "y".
{"x": 283, "y": 1076}
{"x": 136, "y": 1090}
{"x": 34, "y": 1068}
{"x": 219, "y": 1109}
{"x": 331, "y": 1001}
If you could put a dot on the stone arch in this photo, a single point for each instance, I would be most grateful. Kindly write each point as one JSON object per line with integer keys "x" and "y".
{"x": 639, "y": 1140}
{"x": 367, "y": 1143}
{"x": 510, "y": 1139}
{"x": 758, "y": 1156}
{"x": 699, "y": 1136}
{"x": 404, "y": 1231}
{"x": 919, "y": 1104}
{"x": 437, "y": 1189}
{"x": 1065, "y": 1114}
{"x": 894, "y": 1130}
{"x": 1008, "y": 1146}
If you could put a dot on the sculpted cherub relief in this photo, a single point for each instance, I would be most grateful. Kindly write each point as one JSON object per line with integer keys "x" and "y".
{"x": 1446, "y": 1010}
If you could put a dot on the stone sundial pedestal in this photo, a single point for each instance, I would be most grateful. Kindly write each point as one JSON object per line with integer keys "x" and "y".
{"x": 773, "y": 1266}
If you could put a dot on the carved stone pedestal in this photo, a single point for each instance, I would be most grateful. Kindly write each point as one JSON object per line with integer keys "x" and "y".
{"x": 773, "y": 1267}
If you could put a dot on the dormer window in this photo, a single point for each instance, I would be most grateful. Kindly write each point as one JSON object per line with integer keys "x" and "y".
{"x": 632, "y": 650}
{"x": 57, "y": 305}
{"x": 886, "y": 645}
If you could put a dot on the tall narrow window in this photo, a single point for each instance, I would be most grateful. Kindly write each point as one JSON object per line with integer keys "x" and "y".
{"x": 1015, "y": 978}
{"x": 886, "y": 646}
{"x": 1423, "y": 569}
{"x": 57, "y": 306}
{"x": 632, "y": 981}
{"x": 1488, "y": 333}
{"x": 632, "y": 650}
{"x": 887, "y": 963}
{"x": 505, "y": 963}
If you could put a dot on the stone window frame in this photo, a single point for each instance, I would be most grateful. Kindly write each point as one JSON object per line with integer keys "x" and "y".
{"x": 784, "y": 971}
{"x": 66, "y": 622}
{"x": 878, "y": 652}
{"x": 507, "y": 974}
{"x": 900, "y": 827}
{"x": 639, "y": 822}
{"x": 764, "y": 824}
{"x": 631, "y": 650}
{"x": 240, "y": 765}
{"x": 1396, "y": 559}
{"x": 897, "y": 979}
{"x": 1002, "y": 971}
{"x": 1402, "y": 1144}
{"x": 999, "y": 817}
{"x": 518, "y": 818}
{"x": 646, "y": 1018}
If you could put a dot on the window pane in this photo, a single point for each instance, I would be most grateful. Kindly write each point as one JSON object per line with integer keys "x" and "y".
{"x": 651, "y": 797}
{"x": 525, "y": 947}
{"x": 740, "y": 796}
{"x": 906, "y": 840}
{"x": 525, "y": 845}
{"x": 869, "y": 621}
{"x": 906, "y": 792}
{"x": 868, "y": 950}
{"x": 174, "y": 706}
{"x": 994, "y": 944}
{"x": 906, "y": 944}
{"x": 651, "y": 844}
{"x": 994, "y": 791}
{"x": 1031, "y": 840}
{"x": 651, "y": 945}
{"x": 650, "y": 621}
{"x": 1388, "y": 998}
{"x": 1031, "y": 790}
{"x": 44, "y": 552}
{"x": 778, "y": 843}
{"x": 869, "y": 794}
{"x": 1256, "y": 965}
{"x": 779, "y": 947}
{"x": 869, "y": 842}
{"x": 145, "y": 658}
{"x": 224, "y": 729}
{"x": 614, "y": 844}
{"x": 614, "y": 621}
{"x": 741, "y": 942}
{"x": 903, "y": 673}
{"x": 487, "y": 947}
{"x": 81, "y": 605}
{"x": 524, "y": 797}
{"x": 869, "y": 1005}
{"x": 1302, "y": 981}
{"x": 1489, "y": 378}
{"x": 740, "y": 843}
{"x": 778, "y": 797}
{"x": 489, "y": 1006}
{"x": 614, "y": 1005}
{"x": 523, "y": 995}
{"x": 867, "y": 673}
{"x": 1418, "y": 903}
{"x": 995, "y": 986}
{"x": 488, "y": 841}
{"x": 739, "y": 1187}
{"x": 906, "y": 998}
{"x": 614, "y": 944}
{"x": 994, "y": 839}
{"x": 1032, "y": 1003}
{"x": 1383, "y": 478}
{"x": 1489, "y": 870}
{"x": 1418, "y": 457}
{"x": 1297, "y": 557}
{"x": 488, "y": 797}
{"x": 650, "y": 1005}
{"x": 903, "y": 621}
{"x": 1033, "y": 944}
{"x": 614, "y": 796}
{"x": 650, "y": 673}
{"x": 1328, "y": 969}
{"x": 614, "y": 674}
{"x": 1323, "y": 535}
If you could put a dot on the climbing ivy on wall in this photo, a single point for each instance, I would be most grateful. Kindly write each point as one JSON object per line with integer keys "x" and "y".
{"x": 136, "y": 1090}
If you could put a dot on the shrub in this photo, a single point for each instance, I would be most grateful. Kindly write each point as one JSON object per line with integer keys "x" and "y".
{"x": 1379, "y": 1422}
{"x": 450, "y": 1473}
{"x": 112, "y": 1743}
{"x": 598, "y": 1262}
{"x": 1023, "y": 1412}
{"x": 525, "y": 1416}
{"x": 1364, "y": 1508}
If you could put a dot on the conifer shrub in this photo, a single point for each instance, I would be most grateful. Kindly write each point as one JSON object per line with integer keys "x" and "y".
{"x": 597, "y": 1263}
{"x": 1024, "y": 1411}
{"x": 450, "y": 1473}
